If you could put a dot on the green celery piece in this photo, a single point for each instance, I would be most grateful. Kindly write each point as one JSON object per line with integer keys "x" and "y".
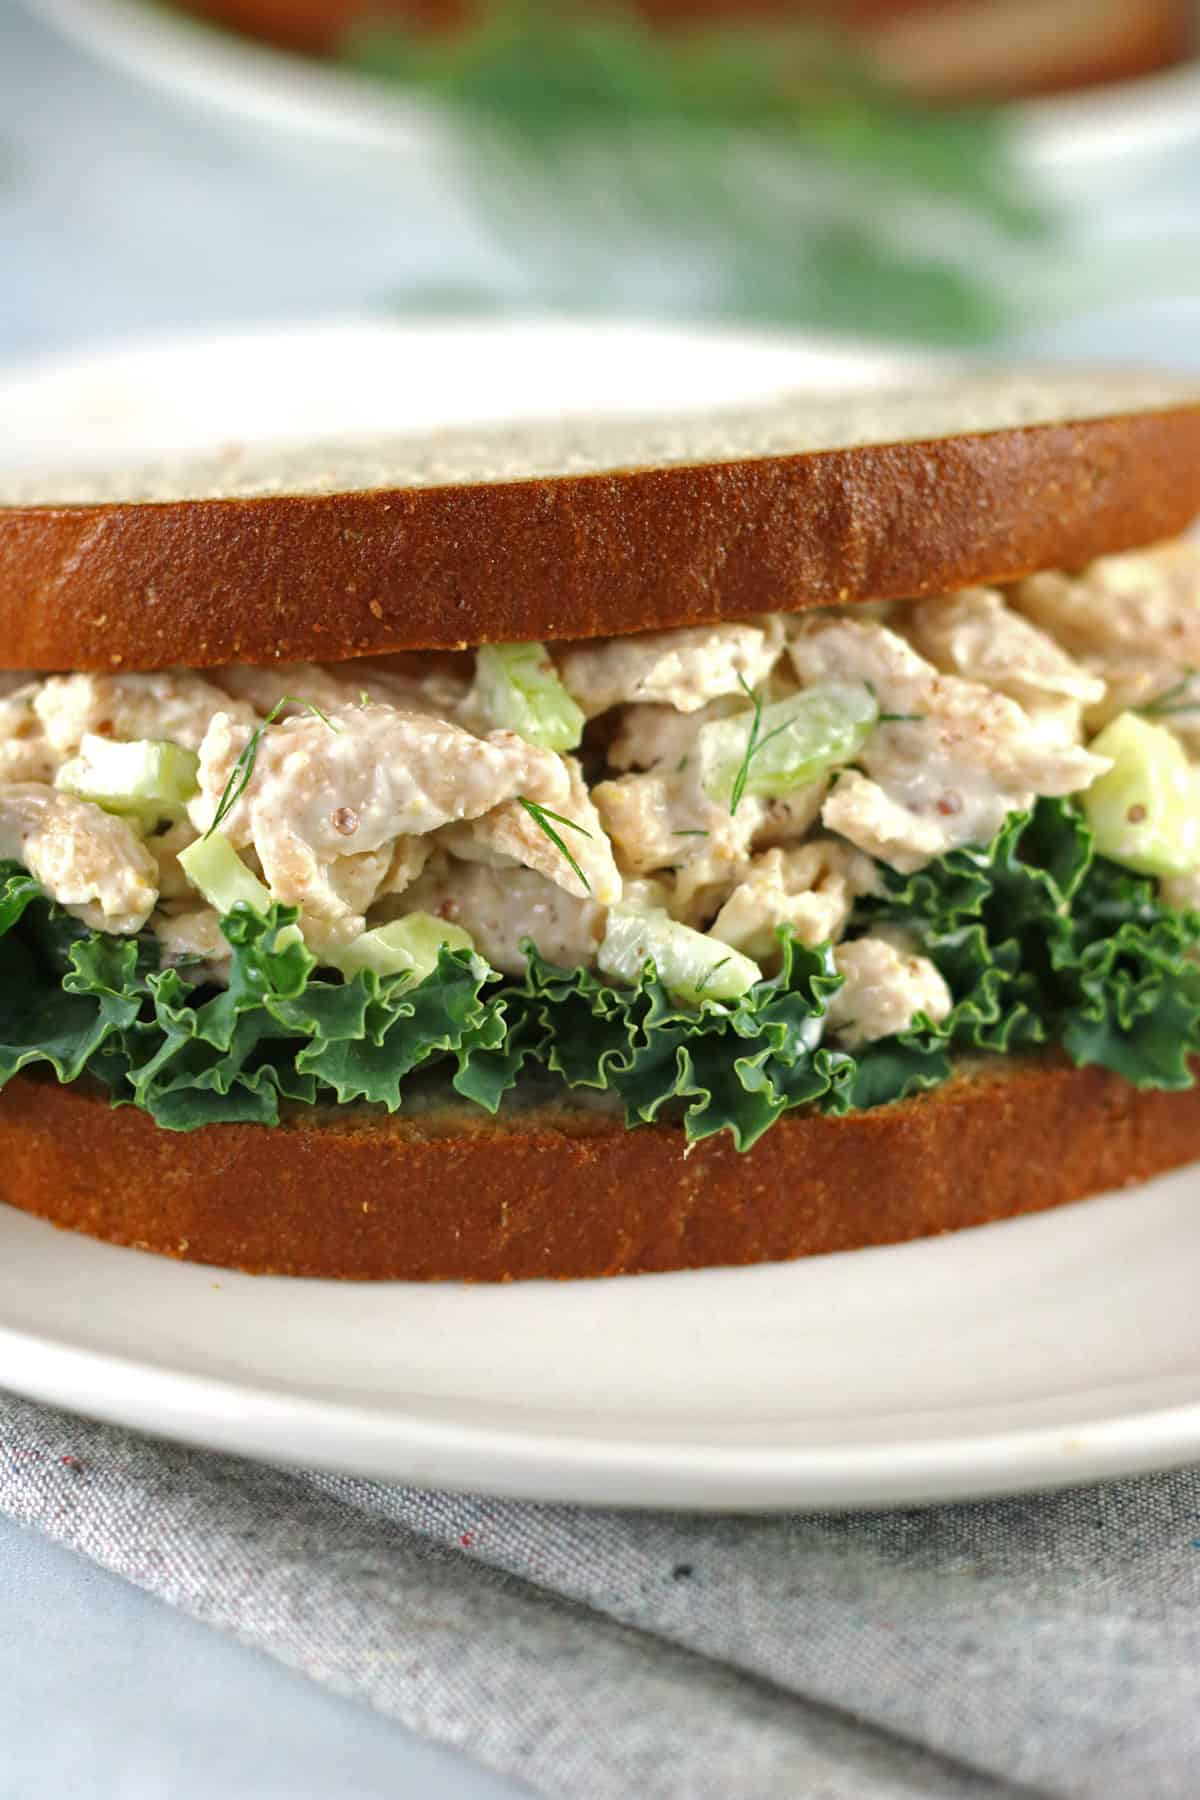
{"x": 146, "y": 778}
{"x": 219, "y": 875}
{"x": 408, "y": 946}
{"x": 1145, "y": 812}
{"x": 521, "y": 691}
{"x": 772, "y": 750}
{"x": 688, "y": 962}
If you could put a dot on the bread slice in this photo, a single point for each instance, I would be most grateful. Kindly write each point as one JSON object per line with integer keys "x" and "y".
{"x": 563, "y": 1191}
{"x": 593, "y": 528}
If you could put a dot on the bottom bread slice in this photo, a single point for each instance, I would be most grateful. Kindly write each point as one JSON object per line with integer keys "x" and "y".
{"x": 560, "y": 1190}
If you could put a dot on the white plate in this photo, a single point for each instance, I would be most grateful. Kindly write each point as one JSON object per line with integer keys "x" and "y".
{"x": 1067, "y": 135}
{"x": 1044, "y": 1351}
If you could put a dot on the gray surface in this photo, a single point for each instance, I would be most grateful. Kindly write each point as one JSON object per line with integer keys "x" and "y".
{"x": 122, "y": 212}
{"x": 107, "y": 1694}
{"x": 1047, "y": 1645}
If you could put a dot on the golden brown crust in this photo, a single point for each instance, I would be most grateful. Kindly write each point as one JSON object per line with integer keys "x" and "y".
{"x": 561, "y": 1193}
{"x": 325, "y": 577}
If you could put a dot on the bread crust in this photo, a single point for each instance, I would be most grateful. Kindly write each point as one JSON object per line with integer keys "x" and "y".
{"x": 566, "y": 1193}
{"x": 325, "y": 577}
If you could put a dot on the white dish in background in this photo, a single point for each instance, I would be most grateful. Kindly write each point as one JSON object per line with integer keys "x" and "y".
{"x": 1063, "y": 137}
{"x": 1045, "y": 1351}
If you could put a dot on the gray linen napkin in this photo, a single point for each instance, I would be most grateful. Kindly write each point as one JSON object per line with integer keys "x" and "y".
{"x": 1047, "y": 1646}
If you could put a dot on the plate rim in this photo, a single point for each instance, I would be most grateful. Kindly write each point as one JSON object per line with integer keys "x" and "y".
{"x": 598, "y": 1470}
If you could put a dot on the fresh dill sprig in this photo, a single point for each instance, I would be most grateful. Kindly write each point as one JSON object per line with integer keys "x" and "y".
{"x": 709, "y": 973}
{"x": 901, "y": 718}
{"x": 541, "y": 815}
{"x": 754, "y": 744}
{"x": 740, "y": 779}
{"x": 242, "y": 773}
{"x": 587, "y": 127}
{"x": 695, "y": 833}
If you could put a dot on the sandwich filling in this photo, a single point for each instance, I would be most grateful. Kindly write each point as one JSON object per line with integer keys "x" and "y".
{"x": 715, "y": 872}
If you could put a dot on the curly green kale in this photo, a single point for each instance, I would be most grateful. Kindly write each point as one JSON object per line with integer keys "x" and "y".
{"x": 1041, "y": 943}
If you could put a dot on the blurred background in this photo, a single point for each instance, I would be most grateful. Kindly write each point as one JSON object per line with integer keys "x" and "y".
{"x": 984, "y": 173}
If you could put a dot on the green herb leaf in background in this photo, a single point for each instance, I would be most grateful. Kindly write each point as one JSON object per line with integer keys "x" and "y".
{"x": 764, "y": 158}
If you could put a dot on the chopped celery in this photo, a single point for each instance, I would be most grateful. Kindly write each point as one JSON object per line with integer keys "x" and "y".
{"x": 408, "y": 946}
{"x": 147, "y": 778}
{"x": 773, "y": 749}
{"x": 214, "y": 867}
{"x": 689, "y": 964}
{"x": 1145, "y": 812}
{"x": 521, "y": 692}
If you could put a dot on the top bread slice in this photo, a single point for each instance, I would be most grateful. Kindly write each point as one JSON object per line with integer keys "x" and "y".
{"x": 592, "y": 527}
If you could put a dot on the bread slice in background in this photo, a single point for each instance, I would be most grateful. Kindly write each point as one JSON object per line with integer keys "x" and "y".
{"x": 946, "y": 48}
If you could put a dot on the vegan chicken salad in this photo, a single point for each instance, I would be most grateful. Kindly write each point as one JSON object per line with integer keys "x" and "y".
{"x": 711, "y": 873}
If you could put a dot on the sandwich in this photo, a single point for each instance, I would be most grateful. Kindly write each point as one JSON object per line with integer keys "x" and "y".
{"x": 609, "y": 846}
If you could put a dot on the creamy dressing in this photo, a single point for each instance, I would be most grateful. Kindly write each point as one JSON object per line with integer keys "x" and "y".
{"x": 886, "y": 983}
{"x": 379, "y": 788}
{"x": 88, "y": 860}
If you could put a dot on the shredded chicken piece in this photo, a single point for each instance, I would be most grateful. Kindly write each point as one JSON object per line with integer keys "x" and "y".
{"x": 864, "y": 813}
{"x": 660, "y": 820}
{"x": 658, "y": 737}
{"x": 510, "y": 831}
{"x": 165, "y": 848}
{"x": 787, "y": 818}
{"x": 638, "y": 812}
{"x": 974, "y": 634}
{"x": 952, "y": 762}
{"x": 192, "y": 937}
{"x": 87, "y": 860}
{"x": 357, "y": 880}
{"x": 810, "y": 888}
{"x": 334, "y": 686}
{"x": 502, "y": 908}
{"x": 322, "y": 792}
{"x": 663, "y": 820}
{"x": 333, "y": 916}
{"x": 702, "y": 883}
{"x": 26, "y": 754}
{"x": 465, "y": 844}
{"x": 175, "y": 705}
{"x": 887, "y": 983}
{"x": 1133, "y": 621}
{"x": 409, "y": 856}
{"x": 682, "y": 669}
